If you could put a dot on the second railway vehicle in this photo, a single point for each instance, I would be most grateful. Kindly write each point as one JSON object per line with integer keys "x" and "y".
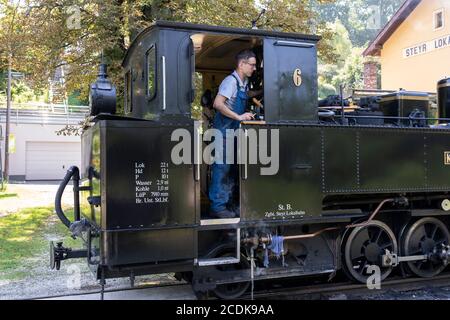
{"x": 357, "y": 186}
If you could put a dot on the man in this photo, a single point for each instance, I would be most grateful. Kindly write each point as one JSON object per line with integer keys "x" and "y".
{"x": 230, "y": 105}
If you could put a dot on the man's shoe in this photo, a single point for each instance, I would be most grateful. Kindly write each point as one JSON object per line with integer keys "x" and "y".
{"x": 224, "y": 214}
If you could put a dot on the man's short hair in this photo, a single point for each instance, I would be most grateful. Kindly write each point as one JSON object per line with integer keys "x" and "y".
{"x": 244, "y": 55}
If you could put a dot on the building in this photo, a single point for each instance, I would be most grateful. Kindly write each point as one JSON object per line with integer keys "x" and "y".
{"x": 36, "y": 151}
{"x": 413, "y": 48}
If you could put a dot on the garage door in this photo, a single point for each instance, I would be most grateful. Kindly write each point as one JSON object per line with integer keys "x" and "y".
{"x": 50, "y": 160}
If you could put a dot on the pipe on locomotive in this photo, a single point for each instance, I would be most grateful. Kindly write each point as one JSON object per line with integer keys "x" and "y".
{"x": 268, "y": 239}
{"x": 74, "y": 173}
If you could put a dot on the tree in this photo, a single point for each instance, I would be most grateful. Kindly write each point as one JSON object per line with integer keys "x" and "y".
{"x": 281, "y": 15}
{"x": 109, "y": 26}
{"x": 355, "y": 15}
{"x": 14, "y": 35}
{"x": 349, "y": 20}
{"x": 351, "y": 74}
{"x": 345, "y": 69}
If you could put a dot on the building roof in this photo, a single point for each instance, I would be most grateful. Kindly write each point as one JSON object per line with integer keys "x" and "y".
{"x": 401, "y": 15}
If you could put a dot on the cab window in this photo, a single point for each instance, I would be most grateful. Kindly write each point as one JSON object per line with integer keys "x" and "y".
{"x": 151, "y": 72}
{"x": 128, "y": 92}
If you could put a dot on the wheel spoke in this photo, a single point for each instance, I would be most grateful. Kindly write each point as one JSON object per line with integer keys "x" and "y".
{"x": 356, "y": 259}
{"x": 358, "y": 243}
{"x": 386, "y": 245}
{"x": 421, "y": 232}
{"x": 377, "y": 237}
{"x": 419, "y": 264}
{"x": 361, "y": 270}
{"x": 433, "y": 232}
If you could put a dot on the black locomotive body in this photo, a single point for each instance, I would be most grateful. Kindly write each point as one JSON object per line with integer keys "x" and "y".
{"x": 352, "y": 190}
{"x": 444, "y": 98}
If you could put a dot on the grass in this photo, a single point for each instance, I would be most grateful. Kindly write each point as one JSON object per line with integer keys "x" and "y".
{"x": 3, "y": 186}
{"x": 7, "y": 195}
{"x": 24, "y": 239}
{"x": 3, "y": 193}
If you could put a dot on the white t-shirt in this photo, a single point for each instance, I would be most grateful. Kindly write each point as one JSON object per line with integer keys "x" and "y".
{"x": 228, "y": 88}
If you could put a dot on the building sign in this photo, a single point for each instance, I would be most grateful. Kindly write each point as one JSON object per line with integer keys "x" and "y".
{"x": 427, "y": 47}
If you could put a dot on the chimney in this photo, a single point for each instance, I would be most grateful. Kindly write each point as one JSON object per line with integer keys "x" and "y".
{"x": 370, "y": 75}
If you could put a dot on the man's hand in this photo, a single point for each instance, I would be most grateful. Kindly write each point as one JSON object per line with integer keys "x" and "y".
{"x": 219, "y": 104}
{"x": 246, "y": 116}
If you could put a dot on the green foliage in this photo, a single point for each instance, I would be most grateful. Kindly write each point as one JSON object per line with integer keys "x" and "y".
{"x": 36, "y": 39}
{"x": 355, "y": 14}
{"x": 348, "y": 19}
{"x": 351, "y": 73}
{"x": 3, "y": 186}
{"x": 326, "y": 89}
{"x": 349, "y": 68}
{"x": 21, "y": 92}
{"x": 282, "y": 15}
{"x": 4, "y": 195}
{"x": 196, "y": 108}
{"x": 341, "y": 41}
{"x": 75, "y": 99}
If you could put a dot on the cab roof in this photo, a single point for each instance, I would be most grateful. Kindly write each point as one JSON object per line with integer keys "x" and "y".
{"x": 195, "y": 28}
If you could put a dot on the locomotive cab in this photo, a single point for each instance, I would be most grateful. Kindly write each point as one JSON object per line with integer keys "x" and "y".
{"x": 173, "y": 71}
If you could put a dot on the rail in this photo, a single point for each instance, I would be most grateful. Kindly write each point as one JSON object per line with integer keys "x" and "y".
{"x": 326, "y": 289}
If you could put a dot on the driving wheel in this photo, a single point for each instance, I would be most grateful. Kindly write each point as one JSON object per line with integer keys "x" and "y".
{"x": 422, "y": 238}
{"x": 365, "y": 246}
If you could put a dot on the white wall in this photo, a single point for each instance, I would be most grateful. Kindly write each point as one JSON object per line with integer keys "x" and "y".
{"x": 30, "y": 132}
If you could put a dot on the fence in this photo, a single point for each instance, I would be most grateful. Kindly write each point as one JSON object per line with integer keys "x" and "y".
{"x": 41, "y": 113}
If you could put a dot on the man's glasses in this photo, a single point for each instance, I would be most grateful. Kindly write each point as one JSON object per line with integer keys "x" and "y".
{"x": 253, "y": 65}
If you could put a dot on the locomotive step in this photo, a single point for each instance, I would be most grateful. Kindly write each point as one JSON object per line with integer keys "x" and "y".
{"x": 215, "y": 222}
{"x": 217, "y": 261}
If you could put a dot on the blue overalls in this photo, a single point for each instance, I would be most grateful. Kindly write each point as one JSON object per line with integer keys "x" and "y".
{"x": 224, "y": 177}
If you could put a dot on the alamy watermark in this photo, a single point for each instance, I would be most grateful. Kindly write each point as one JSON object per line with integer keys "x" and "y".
{"x": 234, "y": 146}
{"x": 374, "y": 280}
{"x": 374, "y": 19}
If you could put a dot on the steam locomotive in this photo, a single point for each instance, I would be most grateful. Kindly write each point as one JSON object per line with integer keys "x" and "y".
{"x": 358, "y": 186}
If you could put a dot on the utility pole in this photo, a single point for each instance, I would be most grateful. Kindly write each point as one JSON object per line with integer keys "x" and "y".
{"x": 8, "y": 113}
{"x": 8, "y": 88}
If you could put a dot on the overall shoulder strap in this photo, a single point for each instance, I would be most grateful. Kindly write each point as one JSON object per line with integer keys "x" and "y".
{"x": 237, "y": 80}
{"x": 238, "y": 83}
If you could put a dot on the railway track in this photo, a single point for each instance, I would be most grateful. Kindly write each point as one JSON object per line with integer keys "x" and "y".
{"x": 308, "y": 291}
{"x": 137, "y": 288}
{"x": 318, "y": 291}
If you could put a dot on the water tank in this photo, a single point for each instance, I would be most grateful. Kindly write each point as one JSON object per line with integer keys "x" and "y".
{"x": 443, "y": 90}
{"x": 404, "y": 104}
